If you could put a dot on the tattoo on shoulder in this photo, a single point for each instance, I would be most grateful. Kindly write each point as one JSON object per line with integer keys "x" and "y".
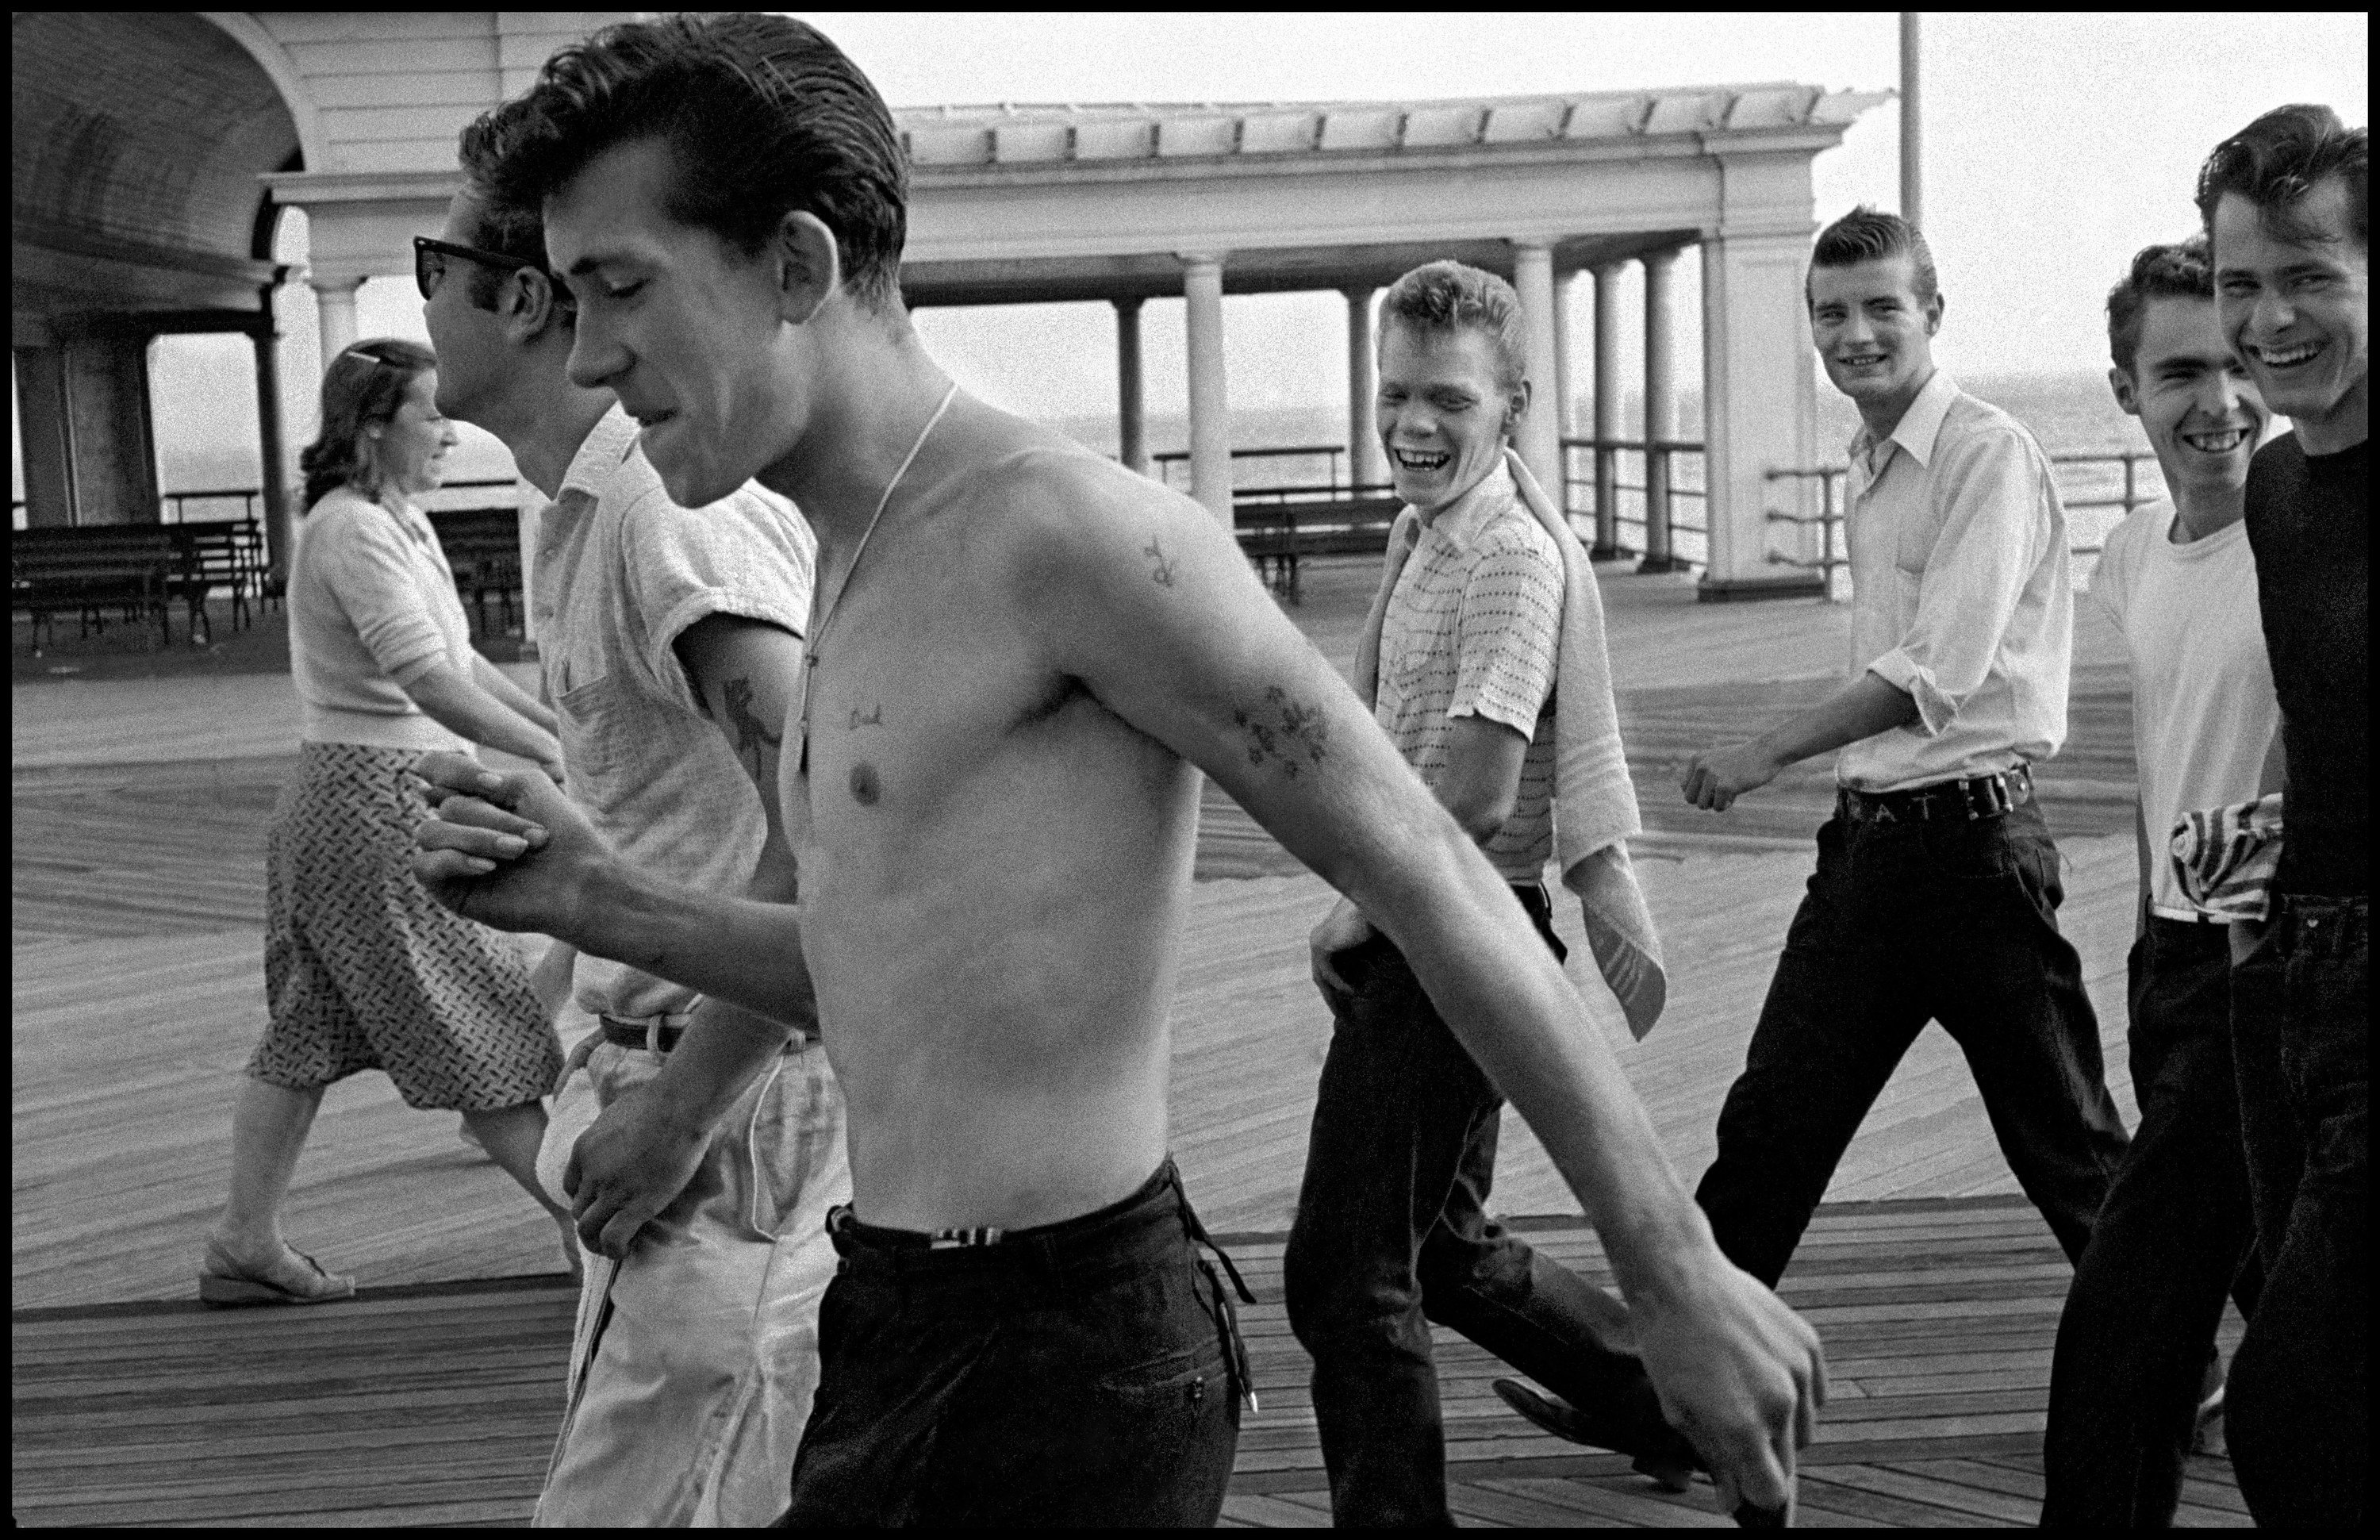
{"x": 1283, "y": 731}
{"x": 745, "y": 728}
{"x": 1160, "y": 571}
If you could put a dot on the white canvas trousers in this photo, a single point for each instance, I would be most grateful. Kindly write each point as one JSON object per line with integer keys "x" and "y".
{"x": 695, "y": 1361}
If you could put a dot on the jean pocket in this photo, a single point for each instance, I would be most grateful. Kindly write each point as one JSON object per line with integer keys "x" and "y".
{"x": 1180, "y": 1379}
{"x": 1974, "y": 850}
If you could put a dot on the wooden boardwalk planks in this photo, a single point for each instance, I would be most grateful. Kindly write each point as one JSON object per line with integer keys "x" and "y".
{"x": 436, "y": 1404}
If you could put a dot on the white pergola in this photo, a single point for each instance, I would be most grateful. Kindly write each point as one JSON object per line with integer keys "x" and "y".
{"x": 1125, "y": 202}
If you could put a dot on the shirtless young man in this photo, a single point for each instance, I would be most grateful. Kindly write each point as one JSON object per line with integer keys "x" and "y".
{"x": 1021, "y": 656}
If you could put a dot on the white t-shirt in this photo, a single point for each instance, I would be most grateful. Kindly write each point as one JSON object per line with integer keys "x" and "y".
{"x": 2204, "y": 712}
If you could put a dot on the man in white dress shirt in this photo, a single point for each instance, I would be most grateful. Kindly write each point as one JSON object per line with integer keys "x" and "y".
{"x": 1936, "y": 892}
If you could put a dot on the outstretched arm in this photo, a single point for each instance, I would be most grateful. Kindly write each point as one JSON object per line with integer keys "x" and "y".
{"x": 1153, "y": 607}
{"x": 1863, "y": 708}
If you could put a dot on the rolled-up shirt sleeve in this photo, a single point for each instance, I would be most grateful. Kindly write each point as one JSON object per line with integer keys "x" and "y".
{"x": 748, "y": 555}
{"x": 379, "y": 588}
{"x": 1996, "y": 517}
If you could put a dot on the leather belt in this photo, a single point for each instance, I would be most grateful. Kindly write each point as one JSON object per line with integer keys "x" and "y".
{"x": 1979, "y": 797}
{"x": 636, "y": 1035}
{"x": 664, "y": 1040}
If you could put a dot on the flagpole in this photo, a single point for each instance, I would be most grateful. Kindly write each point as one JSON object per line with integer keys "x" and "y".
{"x": 1911, "y": 140}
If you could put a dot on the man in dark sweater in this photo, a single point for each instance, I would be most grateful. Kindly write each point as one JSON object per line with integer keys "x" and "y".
{"x": 2286, "y": 203}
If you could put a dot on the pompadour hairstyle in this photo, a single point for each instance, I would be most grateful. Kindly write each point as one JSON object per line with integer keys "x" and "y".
{"x": 362, "y": 386}
{"x": 762, "y": 114}
{"x": 1868, "y": 235}
{"x": 2176, "y": 272}
{"x": 2274, "y": 162}
{"x": 1453, "y": 296}
{"x": 515, "y": 229}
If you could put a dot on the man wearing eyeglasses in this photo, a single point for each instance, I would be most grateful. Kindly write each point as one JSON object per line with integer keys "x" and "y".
{"x": 668, "y": 637}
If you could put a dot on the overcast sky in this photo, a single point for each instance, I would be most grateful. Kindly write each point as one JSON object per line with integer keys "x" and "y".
{"x": 2055, "y": 147}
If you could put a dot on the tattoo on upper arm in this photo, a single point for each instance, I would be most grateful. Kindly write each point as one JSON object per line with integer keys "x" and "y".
{"x": 1285, "y": 731}
{"x": 746, "y": 731}
{"x": 1160, "y": 571}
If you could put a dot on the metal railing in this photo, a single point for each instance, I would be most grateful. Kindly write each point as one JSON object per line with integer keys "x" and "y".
{"x": 2087, "y": 483}
{"x": 1671, "y": 476}
{"x": 1333, "y": 455}
{"x": 174, "y": 507}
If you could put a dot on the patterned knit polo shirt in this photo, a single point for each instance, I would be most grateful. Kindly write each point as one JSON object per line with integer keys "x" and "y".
{"x": 1472, "y": 629}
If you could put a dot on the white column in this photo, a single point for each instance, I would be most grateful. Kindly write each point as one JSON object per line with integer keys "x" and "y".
{"x": 1539, "y": 440}
{"x": 1759, "y": 414}
{"x": 1566, "y": 408}
{"x": 1660, "y": 409}
{"x": 1131, "y": 428}
{"x": 336, "y": 299}
{"x": 1366, "y": 464}
{"x": 1211, "y": 409}
{"x": 1607, "y": 408}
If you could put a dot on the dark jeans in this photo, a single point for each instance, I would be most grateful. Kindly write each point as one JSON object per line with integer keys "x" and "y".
{"x": 1906, "y": 923}
{"x": 1073, "y": 1375}
{"x": 2171, "y": 1238}
{"x": 1392, "y": 1233}
{"x": 2298, "y": 1418}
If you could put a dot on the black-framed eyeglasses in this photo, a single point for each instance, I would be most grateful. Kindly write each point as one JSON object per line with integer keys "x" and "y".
{"x": 430, "y": 256}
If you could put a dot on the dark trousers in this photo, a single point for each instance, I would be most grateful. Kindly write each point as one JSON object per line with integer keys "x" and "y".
{"x": 1392, "y": 1233}
{"x": 1083, "y": 1374}
{"x": 2174, "y": 1235}
{"x": 1906, "y": 923}
{"x": 2298, "y": 1418}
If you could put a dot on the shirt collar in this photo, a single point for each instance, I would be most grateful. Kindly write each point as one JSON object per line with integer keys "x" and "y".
{"x": 1461, "y": 520}
{"x": 606, "y": 445}
{"x": 1920, "y": 426}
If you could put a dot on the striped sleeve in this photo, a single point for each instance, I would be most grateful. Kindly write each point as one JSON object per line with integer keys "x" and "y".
{"x": 1507, "y": 636}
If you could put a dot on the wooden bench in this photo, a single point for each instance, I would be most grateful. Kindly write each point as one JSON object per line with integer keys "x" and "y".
{"x": 1275, "y": 529}
{"x": 90, "y": 568}
{"x": 219, "y": 553}
{"x": 483, "y": 547}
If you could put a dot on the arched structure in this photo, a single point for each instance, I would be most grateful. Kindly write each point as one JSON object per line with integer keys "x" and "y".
{"x": 353, "y": 116}
{"x": 137, "y": 139}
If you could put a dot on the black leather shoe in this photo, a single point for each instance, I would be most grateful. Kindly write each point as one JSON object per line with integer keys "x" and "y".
{"x": 1664, "y": 1455}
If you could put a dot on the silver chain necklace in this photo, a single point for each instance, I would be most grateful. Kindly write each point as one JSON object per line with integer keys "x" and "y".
{"x": 826, "y": 615}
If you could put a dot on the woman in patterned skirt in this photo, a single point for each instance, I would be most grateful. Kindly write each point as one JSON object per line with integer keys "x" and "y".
{"x": 362, "y": 968}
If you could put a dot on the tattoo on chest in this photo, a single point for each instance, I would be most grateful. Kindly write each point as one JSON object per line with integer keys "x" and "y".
{"x": 1283, "y": 731}
{"x": 745, "y": 728}
{"x": 873, "y": 717}
{"x": 1160, "y": 571}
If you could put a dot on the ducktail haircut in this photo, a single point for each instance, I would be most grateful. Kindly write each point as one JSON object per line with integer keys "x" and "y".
{"x": 763, "y": 114}
{"x": 1869, "y": 234}
{"x": 2179, "y": 270}
{"x": 1451, "y": 297}
{"x": 2274, "y": 162}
